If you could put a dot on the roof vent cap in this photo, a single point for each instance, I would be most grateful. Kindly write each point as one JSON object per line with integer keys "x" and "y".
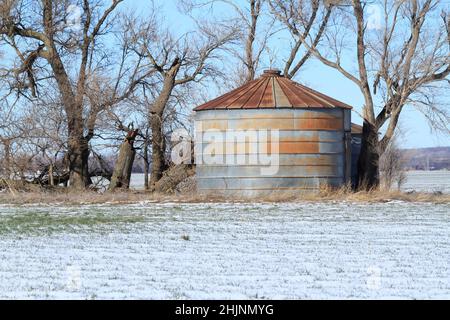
{"x": 272, "y": 73}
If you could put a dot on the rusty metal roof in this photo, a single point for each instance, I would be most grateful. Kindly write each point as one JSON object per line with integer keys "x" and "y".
{"x": 272, "y": 90}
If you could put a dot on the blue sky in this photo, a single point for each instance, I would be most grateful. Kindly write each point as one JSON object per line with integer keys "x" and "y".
{"x": 413, "y": 125}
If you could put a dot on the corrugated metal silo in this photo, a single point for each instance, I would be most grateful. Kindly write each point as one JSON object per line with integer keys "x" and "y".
{"x": 237, "y": 131}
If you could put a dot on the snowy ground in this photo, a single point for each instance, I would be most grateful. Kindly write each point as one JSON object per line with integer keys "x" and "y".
{"x": 226, "y": 251}
{"x": 427, "y": 181}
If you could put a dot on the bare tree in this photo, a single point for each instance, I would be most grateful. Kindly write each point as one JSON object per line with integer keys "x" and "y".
{"x": 53, "y": 51}
{"x": 306, "y": 20}
{"x": 404, "y": 61}
{"x": 254, "y": 26}
{"x": 7, "y": 137}
{"x": 124, "y": 165}
{"x": 16, "y": 156}
{"x": 392, "y": 166}
{"x": 178, "y": 62}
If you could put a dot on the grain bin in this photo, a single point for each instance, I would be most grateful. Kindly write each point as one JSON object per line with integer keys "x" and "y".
{"x": 269, "y": 136}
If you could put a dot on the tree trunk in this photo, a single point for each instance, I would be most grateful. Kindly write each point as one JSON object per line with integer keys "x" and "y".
{"x": 250, "y": 63}
{"x": 173, "y": 177}
{"x": 78, "y": 150}
{"x": 122, "y": 172}
{"x": 78, "y": 163}
{"x": 50, "y": 175}
{"x": 7, "y": 145}
{"x": 158, "y": 149}
{"x": 368, "y": 164}
{"x": 156, "y": 124}
{"x": 146, "y": 163}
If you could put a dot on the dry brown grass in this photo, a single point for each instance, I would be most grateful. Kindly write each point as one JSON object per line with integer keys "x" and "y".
{"x": 66, "y": 197}
{"x": 347, "y": 194}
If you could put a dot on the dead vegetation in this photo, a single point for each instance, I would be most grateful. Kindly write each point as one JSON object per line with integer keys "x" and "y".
{"x": 325, "y": 194}
{"x": 172, "y": 178}
{"x": 371, "y": 196}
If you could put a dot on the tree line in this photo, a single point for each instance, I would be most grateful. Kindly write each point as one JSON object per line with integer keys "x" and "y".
{"x": 79, "y": 78}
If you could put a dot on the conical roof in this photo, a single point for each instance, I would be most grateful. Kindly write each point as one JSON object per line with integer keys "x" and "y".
{"x": 272, "y": 90}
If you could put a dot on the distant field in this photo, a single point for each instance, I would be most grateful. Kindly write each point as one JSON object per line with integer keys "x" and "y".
{"x": 226, "y": 251}
{"x": 428, "y": 181}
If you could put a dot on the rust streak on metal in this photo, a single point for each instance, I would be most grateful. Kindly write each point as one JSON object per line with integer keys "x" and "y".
{"x": 255, "y": 100}
{"x": 232, "y": 99}
{"x": 223, "y": 101}
{"x": 267, "y": 100}
{"x": 299, "y": 95}
{"x": 298, "y": 148}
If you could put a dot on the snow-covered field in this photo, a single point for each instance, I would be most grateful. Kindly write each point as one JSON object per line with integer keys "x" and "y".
{"x": 427, "y": 181}
{"x": 226, "y": 251}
